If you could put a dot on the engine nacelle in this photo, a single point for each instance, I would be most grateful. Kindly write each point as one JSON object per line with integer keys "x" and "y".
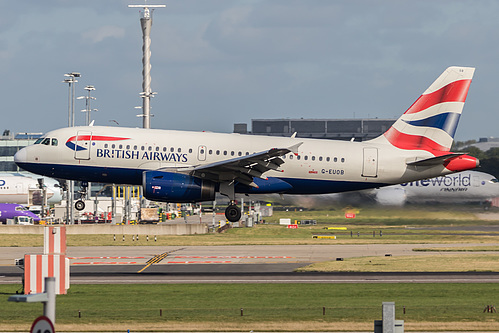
{"x": 176, "y": 187}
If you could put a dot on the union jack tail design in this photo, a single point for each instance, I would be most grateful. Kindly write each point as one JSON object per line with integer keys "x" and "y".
{"x": 430, "y": 123}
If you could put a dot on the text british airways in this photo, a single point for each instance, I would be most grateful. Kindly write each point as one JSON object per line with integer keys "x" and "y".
{"x": 137, "y": 155}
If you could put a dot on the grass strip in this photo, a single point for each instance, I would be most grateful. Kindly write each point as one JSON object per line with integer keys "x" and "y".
{"x": 272, "y": 235}
{"x": 426, "y": 263}
{"x": 459, "y": 249}
{"x": 276, "y": 306}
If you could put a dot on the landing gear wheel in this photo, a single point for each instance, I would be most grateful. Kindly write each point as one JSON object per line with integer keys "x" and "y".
{"x": 80, "y": 205}
{"x": 233, "y": 213}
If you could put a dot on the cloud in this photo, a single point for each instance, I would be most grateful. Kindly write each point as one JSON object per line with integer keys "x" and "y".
{"x": 99, "y": 34}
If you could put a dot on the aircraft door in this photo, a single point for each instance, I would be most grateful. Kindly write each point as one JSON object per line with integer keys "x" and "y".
{"x": 83, "y": 142}
{"x": 202, "y": 153}
{"x": 476, "y": 181}
{"x": 370, "y": 165}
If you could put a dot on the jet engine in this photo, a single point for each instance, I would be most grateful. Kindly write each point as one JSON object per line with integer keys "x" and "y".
{"x": 176, "y": 187}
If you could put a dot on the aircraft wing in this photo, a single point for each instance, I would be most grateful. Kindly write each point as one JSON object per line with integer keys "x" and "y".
{"x": 242, "y": 169}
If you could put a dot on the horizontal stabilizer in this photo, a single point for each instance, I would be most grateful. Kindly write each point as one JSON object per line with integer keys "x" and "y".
{"x": 434, "y": 160}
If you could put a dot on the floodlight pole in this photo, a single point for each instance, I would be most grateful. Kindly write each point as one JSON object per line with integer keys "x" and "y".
{"x": 88, "y": 108}
{"x": 146, "y": 94}
{"x": 71, "y": 80}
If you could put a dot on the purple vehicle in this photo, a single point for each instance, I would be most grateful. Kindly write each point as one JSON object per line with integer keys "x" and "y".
{"x": 19, "y": 213}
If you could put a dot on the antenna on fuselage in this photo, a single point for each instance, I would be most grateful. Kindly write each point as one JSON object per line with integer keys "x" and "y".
{"x": 146, "y": 94}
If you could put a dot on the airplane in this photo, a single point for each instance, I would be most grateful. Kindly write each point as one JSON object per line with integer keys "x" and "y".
{"x": 24, "y": 189}
{"x": 460, "y": 187}
{"x": 466, "y": 186}
{"x": 183, "y": 166}
{"x": 15, "y": 211}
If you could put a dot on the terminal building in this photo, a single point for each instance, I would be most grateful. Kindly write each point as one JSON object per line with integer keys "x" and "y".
{"x": 10, "y": 144}
{"x": 337, "y": 129}
{"x": 485, "y": 144}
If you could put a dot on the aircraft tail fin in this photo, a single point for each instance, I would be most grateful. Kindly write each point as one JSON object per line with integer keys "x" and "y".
{"x": 431, "y": 121}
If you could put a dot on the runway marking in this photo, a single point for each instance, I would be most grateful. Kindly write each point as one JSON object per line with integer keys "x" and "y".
{"x": 221, "y": 280}
{"x": 105, "y": 263}
{"x": 157, "y": 258}
{"x": 237, "y": 257}
{"x": 79, "y": 258}
{"x": 199, "y": 262}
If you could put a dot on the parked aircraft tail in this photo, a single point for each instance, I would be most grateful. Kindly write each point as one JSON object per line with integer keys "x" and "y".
{"x": 430, "y": 123}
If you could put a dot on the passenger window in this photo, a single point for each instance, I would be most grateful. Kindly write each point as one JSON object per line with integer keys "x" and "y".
{"x": 305, "y": 157}
{"x": 320, "y": 158}
{"x": 328, "y": 159}
{"x": 232, "y": 153}
{"x": 239, "y": 154}
{"x": 179, "y": 150}
{"x": 335, "y": 159}
{"x": 225, "y": 152}
{"x": 157, "y": 148}
{"x": 218, "y": 152}
{"x": 164, "y": 148}
{"x": 342, "y": 159}
{"x": 142, "y": 148}
{"x": 313, "y": 158}
{"x": 290, "y": 157}
{"x": 210, "y": 151}
{"x": 134, "y": 147}
{"x": 127, "y": 147}
{"x": 54, "y": 142}
{"x": 298, "y": 157}
{"x": 190, "y": 150}
{"x": 149, "y": 148}
{"x": 112, "y": 146}
{"x": 120, "y": 147}
{"x": 172, "y": 149}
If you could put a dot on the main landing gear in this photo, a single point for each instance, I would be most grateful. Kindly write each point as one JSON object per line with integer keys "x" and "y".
{"x": 233, "y": 212}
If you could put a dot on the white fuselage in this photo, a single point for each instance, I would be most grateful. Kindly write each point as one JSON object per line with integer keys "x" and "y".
{"x": 25, "y": 190}
{"x": 458, "y": 187}
{"x": 121, "y": 155}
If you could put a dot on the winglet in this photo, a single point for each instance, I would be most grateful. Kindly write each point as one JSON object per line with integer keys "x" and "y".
{"x": 294, "y": 148}
{"x": 293, "y": 135}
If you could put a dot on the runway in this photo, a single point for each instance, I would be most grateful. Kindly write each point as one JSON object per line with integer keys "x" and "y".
{"x": 231, "y": 264}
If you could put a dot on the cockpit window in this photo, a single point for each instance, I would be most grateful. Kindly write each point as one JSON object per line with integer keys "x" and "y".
{"x": 494, "y": 180}
{"x": 21, "y": 208}
{"x": 38, "y": 141}
{"x": 46, "y": 142}
{"x": 54, "y": 142}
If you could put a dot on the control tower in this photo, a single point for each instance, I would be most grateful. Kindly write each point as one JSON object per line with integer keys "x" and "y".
{"x": 146, "y": 94}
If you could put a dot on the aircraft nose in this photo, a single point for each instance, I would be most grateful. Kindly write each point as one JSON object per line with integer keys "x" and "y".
{"x": 20, "y": 156}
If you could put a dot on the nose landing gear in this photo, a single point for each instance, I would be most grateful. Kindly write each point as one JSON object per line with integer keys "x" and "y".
{"x": 80, "y": 204}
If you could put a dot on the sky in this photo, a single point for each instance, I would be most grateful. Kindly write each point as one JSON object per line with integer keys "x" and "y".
{"x": 220, "y": 62}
